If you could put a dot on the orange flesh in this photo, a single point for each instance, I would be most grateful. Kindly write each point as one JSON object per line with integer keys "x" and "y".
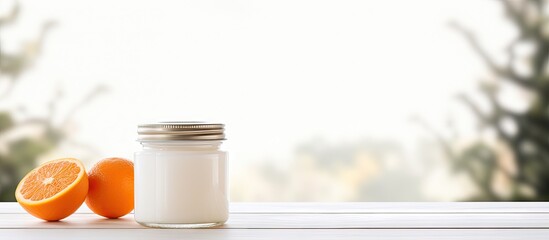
{"x": 49, "y": 180}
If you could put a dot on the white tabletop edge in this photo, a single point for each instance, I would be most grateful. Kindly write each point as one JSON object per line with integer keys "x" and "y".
{"x": 358, "y": 207}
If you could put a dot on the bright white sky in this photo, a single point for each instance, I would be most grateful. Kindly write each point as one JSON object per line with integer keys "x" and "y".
{"x": 276, "y": 72}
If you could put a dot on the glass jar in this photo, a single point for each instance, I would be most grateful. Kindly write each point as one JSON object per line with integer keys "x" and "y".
{"x": 181, "y": 175}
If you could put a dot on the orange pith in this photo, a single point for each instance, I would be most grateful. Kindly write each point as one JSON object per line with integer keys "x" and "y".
{"x": 49, "y": 180}
{"x": 53, "y": 190}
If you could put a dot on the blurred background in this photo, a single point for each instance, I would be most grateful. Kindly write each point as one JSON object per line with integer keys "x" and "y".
{"x": 323, "y": 100}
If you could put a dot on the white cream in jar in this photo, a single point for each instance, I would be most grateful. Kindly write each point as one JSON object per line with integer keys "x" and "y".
{"x": 181, "y": 175}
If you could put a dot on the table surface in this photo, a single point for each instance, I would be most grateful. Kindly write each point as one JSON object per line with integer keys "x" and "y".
{"x": 459, "y": 220}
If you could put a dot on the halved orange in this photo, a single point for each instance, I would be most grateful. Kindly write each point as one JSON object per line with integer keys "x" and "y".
{"x": 53, "y": 190}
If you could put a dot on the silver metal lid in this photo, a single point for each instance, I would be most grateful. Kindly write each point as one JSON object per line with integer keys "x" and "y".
{"x": 193, "y": 131}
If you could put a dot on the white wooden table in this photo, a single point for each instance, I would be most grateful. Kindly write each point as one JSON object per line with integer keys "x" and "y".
{"x": 307, "y": 221}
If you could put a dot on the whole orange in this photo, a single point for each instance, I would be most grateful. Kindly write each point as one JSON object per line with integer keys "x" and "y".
{"x": 53, "y": 190}
{"x": 110, "y": 192}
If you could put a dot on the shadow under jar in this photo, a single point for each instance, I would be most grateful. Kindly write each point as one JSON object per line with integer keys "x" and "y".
{"x": 181, "y": 175}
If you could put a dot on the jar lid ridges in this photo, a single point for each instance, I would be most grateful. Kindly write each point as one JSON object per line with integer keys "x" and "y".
{"x": 181, "y": 131}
